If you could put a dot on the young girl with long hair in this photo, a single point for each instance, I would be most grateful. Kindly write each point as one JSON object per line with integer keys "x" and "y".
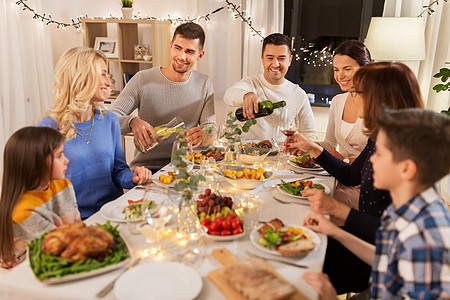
{"x": 36, "y": 197}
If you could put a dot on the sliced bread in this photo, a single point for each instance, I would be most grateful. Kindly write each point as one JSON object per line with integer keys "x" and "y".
{"x": 297, "y": 248}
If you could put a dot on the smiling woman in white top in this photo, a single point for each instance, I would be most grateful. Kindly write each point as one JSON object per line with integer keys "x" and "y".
{"x": 345, "y": 128}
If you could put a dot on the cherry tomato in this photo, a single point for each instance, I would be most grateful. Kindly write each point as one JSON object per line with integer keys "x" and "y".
{"x": 241, "y": 222}
{"x": 237, "y": 230}
{"x": 225, "y": 232}
{"x": 214, "y": 232}
{"x": 235, "y": 223}
{"x": 287, "y": 235}
{"x": 170, "y": 173}
{"x": 226, "y": 224}
{"x": 201, "y": 196}
{"x": 220, "y": 219}
{"x": 231, "y": 217}
{"x": 206, "y": 222}
{"x": 208, "y": 192}
{"x": 215, "y": 226}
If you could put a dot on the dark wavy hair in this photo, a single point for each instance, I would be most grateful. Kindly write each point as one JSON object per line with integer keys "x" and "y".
{"x": 26, "y": 164}
{"x": 356, "y": 50}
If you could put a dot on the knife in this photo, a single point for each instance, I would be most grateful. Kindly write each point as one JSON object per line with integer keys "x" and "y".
{"x": 110, "y": 286}
{"x": 276, "y": 260}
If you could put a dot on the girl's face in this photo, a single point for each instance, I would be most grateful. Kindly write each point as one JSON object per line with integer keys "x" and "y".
{"x": 344, "y": 69}
{"x": 104, "y": 82}
{"x": 59, "y": 163}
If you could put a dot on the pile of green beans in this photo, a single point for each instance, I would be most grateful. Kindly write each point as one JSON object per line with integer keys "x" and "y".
{"x": 297, "y": 190}
{"x": 46, "y": 266}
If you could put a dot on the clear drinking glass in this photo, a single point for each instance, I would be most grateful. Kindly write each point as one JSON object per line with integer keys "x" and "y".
{"x": 188, "y": 159}
{"x": 248, "y": 208}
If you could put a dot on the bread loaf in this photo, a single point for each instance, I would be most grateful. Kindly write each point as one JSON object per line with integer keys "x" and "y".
{"x": 297, "y": 248}
{"x": 255, "y": 281}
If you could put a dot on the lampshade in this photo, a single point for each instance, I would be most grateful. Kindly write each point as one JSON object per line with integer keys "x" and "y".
{"x": 396, "y": 39}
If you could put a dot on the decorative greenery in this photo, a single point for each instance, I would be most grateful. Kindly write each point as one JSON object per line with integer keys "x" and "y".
{"x": 429, "y": 8}
{"x": 127, "y": 3}
{"x": 235, "y": 128}
{"x": 444, "y": 74}
{"x": 184, "y": 182}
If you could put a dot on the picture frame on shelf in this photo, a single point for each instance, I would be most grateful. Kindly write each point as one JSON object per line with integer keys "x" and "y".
{"x": 107, "y": 46}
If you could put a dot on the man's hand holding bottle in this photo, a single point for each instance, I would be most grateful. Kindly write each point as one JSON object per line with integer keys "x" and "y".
{"x": 250, "y": 105}
{"x": 140, "y": 130}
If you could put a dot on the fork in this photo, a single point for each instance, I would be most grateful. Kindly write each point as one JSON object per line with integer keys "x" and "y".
{"x": 289, "y": 202}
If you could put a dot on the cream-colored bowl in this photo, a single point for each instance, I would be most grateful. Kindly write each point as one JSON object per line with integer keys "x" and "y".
{"x": 252, "y": 159}
{"x": 242, "y": 183}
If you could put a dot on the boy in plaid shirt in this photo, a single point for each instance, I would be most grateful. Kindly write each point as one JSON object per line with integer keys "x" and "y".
{"x": 411, "y": 257}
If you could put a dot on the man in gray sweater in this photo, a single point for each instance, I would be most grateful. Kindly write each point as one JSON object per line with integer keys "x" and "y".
{"x": 160, "y": 94}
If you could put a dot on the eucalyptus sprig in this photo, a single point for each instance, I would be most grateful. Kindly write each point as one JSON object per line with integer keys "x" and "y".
{"x": 184, "y": 182}
{"x": 235, "y": 128}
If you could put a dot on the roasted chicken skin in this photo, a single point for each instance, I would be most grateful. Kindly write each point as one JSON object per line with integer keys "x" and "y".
{"x": 79, "y": 242}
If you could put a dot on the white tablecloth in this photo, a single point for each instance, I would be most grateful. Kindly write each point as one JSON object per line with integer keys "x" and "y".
{"x": 20, "y": 283}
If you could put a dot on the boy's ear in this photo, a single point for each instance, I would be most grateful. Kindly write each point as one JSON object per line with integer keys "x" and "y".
{"x": 409, "y": 170}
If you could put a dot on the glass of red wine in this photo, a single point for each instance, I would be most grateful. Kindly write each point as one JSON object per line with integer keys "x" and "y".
{"x": 287, "y": 124}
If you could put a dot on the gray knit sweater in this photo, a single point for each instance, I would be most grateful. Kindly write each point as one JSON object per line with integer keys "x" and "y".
{"x": 158, "y": 100}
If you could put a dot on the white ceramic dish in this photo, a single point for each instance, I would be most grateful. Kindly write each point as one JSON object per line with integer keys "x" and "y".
{"x": 159, "y": 280}
{"x": 242, "y": 183}
{"x": 327, "y": 191}
{"x": 219, "y": 238}
{"x": 255, "y": 235}
{"x": 113, "y": 210}
{"x": 252, "y": 159}
{"x": 295, "y": 167}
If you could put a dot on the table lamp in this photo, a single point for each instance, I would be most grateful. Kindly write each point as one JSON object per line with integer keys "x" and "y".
{"x": 396, "y": 39}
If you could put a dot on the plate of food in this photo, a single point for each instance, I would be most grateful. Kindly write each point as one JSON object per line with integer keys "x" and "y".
{"x": 252, "y": 155}
{"x": 295, "y": 188}
{"x": 116, "y": 212}
{"x": 279, "y": 239}
{"x": 265, "y": 144}
{"x": 76, "y": 251}
{"x": 305, "y": 162}
{"x": 165, "y": 180}
{"x": 244, "y": 178}
{"x": 217, "y": 153}
{"x": 218, "y": 218}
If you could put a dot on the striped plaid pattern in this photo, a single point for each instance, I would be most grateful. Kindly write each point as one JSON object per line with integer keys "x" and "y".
{"x": 412, "y": 258}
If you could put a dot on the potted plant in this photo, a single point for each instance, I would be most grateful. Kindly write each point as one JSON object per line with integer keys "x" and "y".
{"x": 444, "y": 74}
{"x": 127, "y": 9}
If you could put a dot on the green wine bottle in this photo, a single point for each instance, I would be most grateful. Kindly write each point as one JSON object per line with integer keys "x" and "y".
{"x": 265, "y": 108}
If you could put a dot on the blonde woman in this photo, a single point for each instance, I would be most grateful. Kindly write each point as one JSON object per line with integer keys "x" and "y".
{"x": 93, "y": 145}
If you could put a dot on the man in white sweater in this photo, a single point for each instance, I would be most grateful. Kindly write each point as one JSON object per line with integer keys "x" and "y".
{"x": 271, "y": 85}
{"x": 160, "y": 94}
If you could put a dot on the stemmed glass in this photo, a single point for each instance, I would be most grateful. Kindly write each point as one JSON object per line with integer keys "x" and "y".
{"x": 155, "y": 220}
{"x": 288, "y": 126}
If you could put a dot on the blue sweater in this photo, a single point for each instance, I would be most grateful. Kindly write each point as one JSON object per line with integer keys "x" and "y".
{"x": 98, "y": 170}
{"x": 372, "y": 202}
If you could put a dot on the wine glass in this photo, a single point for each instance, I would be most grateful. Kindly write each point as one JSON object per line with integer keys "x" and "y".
{"x": 156, "y": 217}
{"x": 287, "y": 125}
{"x": 188, "y": 159}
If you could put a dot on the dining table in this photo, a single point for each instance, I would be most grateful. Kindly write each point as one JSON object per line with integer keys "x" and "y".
{"x": 20, "y": 283}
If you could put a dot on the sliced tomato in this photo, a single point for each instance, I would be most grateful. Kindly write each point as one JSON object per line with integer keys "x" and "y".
{"x": 134, "y": 202}
{"x": 307, "y": 183}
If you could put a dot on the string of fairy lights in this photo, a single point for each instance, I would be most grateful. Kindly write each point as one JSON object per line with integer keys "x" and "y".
{"x": 315, "y": 58}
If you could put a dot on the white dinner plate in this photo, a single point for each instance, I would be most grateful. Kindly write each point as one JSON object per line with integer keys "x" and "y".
{"x": 113, "y": 210}
{"x": 159, "y": 280}
{"x": 299, "y": 169}
{"x": 255, "y": 235}
{"x": 327, "y": 191}
{"x": 159, "y": 183}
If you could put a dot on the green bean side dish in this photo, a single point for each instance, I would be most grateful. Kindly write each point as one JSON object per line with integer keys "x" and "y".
{"x": 47, "y": 266}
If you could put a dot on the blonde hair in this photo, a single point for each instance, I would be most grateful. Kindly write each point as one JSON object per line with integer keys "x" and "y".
{"x": 76, "y": 82}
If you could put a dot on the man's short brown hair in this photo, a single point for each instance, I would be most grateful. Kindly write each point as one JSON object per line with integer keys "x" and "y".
{"x": 191, "y": 31}
{"x": 420, "y": 135}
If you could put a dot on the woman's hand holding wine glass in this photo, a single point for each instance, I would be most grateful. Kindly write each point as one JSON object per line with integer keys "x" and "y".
{"x": 297, "y": 142}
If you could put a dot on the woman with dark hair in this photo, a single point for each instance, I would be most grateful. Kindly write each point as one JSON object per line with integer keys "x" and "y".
{"x": 374, "y": 86}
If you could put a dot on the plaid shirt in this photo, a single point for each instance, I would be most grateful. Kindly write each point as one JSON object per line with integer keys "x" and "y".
{"x": 412, "y": 258}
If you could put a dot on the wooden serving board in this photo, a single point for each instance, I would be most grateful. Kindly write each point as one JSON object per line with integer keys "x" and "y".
{"x": 221, "y": 281}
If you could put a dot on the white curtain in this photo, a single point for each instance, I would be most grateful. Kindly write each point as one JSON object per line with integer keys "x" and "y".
{"x": 437, "y": 46}
{"x": 25, "y": 72}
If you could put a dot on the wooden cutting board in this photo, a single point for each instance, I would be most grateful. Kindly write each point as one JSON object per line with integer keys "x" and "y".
{"x": 220, "y": 279}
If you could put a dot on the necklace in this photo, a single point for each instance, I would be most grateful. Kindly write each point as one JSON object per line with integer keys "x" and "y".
{"x": 86, "y": 134}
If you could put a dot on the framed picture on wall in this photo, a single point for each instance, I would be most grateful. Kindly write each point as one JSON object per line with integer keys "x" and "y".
{"x": 107, "y": 46}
